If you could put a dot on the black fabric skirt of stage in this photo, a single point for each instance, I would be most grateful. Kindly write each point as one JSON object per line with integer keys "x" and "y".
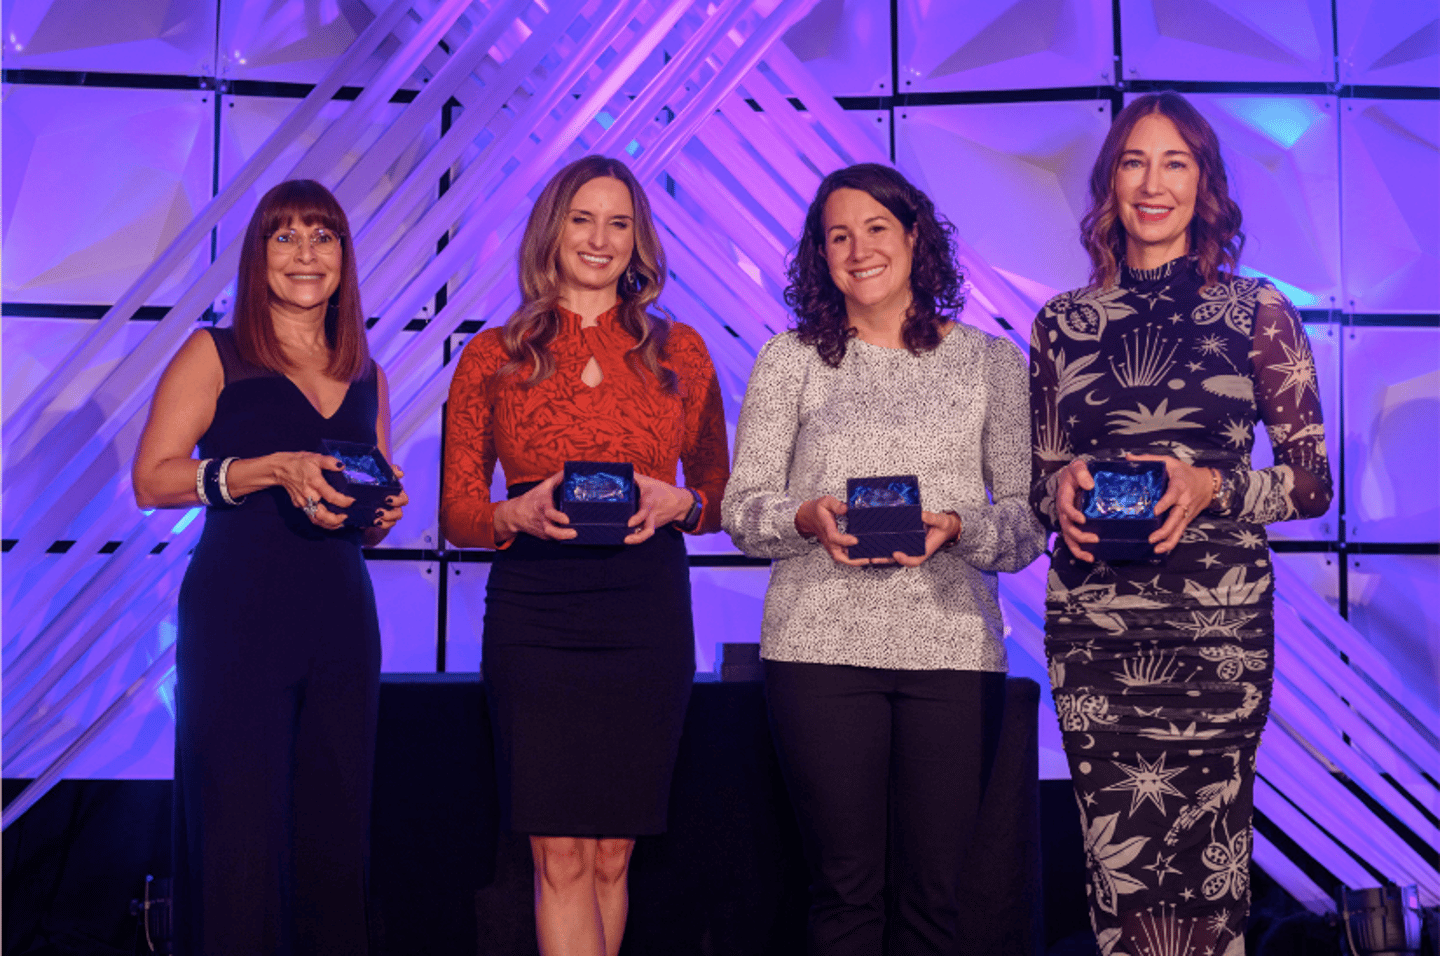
{"x": 588, "y": 661}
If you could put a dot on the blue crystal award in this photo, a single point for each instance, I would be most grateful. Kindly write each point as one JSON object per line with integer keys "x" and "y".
{"x": 1121, "y": 508}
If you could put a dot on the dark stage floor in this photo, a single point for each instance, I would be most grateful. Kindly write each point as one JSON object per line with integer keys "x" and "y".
{"x": 727, "y": 879}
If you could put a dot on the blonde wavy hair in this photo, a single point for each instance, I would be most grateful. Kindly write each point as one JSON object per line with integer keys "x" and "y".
{"x": 530, "y": 330}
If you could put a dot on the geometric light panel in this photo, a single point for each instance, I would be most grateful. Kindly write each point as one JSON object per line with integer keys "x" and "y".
{"x": 71, "y": 235}
{"x": 1004, "y": 44}
{"x": 1392, "y": 418}
{"x": 1392, "y": 600}
{"x": 1012, "y": 177}
{"x": 289, "y": 42}
{"x": 1227, "y": 40}
{"x": 728, "y": 604}
{"x": 112, "y": 36}
{"x": 1391, "y": 194}
{"x": 845, "y": 45}
{"x": 1281, "y": 156}
{"x": 406, "y": 599}
{"x": 465, "y": 617}
{"x": 247, "y": 121}
{"x": 1388, "y": 43}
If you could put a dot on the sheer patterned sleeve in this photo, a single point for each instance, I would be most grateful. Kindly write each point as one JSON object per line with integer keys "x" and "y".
{"x": 466, "y": 513}
{"x": 705, "y": 449}
{"x": 1049, "y": 442}
{"x": 1298, "y": 485}
{"x": 759, "y": 511}
{"x": 1002, "y": 535}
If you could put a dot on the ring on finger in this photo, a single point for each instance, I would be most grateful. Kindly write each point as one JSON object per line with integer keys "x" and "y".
{"x": 311, "y": 506}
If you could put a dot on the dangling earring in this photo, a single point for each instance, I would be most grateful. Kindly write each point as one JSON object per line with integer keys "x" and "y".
{"x": 633, "y": 281}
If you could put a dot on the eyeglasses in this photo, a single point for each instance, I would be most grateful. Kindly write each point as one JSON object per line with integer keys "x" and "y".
{"x": 323, "y": 241}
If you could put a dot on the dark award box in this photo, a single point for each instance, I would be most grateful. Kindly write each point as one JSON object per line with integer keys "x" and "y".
{"x": 600, "y": 498}
{"x": 1121, "y": 508}
{"x": 368, "y": 478}
{"x": 883, "y": 512}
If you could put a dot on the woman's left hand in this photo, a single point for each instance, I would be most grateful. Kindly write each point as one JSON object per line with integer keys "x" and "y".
{"x": 660, "y": 504}
{"x": 940, "y": 528}
{"x": 1186, "y": 495}
{"x": 385, "y": 519}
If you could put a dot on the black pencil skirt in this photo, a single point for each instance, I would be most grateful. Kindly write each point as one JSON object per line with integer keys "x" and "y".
{"x": 588, "y": 660}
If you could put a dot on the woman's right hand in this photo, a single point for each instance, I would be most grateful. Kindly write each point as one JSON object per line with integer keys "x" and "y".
{"x": 534, "y": 513}
{"x": 816, "y": 519}
{"x": 1074, "y": 478}
{"x": 302, "y": 475}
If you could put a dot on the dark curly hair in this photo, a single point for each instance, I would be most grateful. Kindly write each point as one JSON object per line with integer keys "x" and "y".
{"x": 935, "y": 279}
{"x": 1215, "y": 236}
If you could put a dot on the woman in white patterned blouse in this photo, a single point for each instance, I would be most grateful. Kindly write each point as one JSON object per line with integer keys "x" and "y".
{"x": 885, "y": 677}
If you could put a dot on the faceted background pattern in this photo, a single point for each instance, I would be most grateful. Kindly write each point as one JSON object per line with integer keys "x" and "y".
{"x": 1339, "y": 189}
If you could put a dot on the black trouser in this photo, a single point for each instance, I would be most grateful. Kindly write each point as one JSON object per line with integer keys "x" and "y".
{"x": 883, "y": 767}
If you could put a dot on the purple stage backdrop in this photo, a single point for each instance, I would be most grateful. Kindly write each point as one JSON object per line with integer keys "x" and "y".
{"x": 147, "y": 135}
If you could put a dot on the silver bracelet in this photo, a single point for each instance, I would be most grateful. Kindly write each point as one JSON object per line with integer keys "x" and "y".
{"x": 225, "y": 488}
{"x": 200, "y": 481}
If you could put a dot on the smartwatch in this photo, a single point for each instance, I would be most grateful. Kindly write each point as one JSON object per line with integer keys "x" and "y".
{"x": 691, "y": 521}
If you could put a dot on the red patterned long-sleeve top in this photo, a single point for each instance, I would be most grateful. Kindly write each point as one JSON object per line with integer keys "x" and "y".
{"x": 534, "y": 430}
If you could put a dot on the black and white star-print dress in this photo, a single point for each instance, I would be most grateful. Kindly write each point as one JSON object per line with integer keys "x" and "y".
{"x": 1161, "y": 672}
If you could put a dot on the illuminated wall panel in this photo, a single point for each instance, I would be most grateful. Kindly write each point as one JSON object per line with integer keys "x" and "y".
{"x": 1392, "y": 415}
{"x": 1011, "y": 177}
{"x": 292, "y": 42}
{"x": 465, "y": 620}
{"x": 1284, "y": 172}
{"x": 406, "y": 598}
{"x": 1227, "y": 40}
{"x": 1319, "y": 572}
{"x": 30, "y": 347}
{"x": 97, "y": 182}
{"x": 136, "y": 36}
{"x": 1391, "y": 168}
{"x": 1325, "y": 344}
{"x": 141, "y": 744}
{"x": 248, "y": 121}
{"x": 1386, "y": 43}
{"x": 728, "y": 604}
{"x": 1004, "y": 44}
{"x": 1392, "y": 601}
{"x": 845, "y": 44}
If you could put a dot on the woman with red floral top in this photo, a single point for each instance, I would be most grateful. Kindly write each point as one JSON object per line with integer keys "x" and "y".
{"x": 588, "y": 650}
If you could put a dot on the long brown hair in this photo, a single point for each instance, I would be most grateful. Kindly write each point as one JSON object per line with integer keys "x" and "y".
{"x": 307, "y": 202}
{"x": 1214, "y": 233}
{"x": 935, "y": 280}
{"x": 530, "y": 330}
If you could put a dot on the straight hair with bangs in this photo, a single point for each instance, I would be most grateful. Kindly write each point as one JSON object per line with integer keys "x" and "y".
{"x": 1214, "y": 233}
{"x": 311, "y": 204}
{"x": 530, "y": 330}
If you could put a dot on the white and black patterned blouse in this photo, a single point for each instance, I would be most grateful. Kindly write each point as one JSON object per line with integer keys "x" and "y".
{"x": 956, "y": 418}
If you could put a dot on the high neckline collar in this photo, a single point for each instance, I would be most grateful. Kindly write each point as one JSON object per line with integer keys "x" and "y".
{"x": 573, "y": 319}
{"x": 1157, "y": 274}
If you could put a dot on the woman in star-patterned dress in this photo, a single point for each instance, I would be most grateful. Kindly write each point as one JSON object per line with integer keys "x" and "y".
{"x": 1162, "y": 668}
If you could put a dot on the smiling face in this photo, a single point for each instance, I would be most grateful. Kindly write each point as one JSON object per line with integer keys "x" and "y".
{"x": 303, "y": 265}
{"x": 868, "y": 252}
{"x": 1155, "y": 186}
{"x": 597, "y": 239}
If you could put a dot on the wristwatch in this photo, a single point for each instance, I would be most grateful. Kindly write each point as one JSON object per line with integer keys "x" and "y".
{"x": 691, "y": 521}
